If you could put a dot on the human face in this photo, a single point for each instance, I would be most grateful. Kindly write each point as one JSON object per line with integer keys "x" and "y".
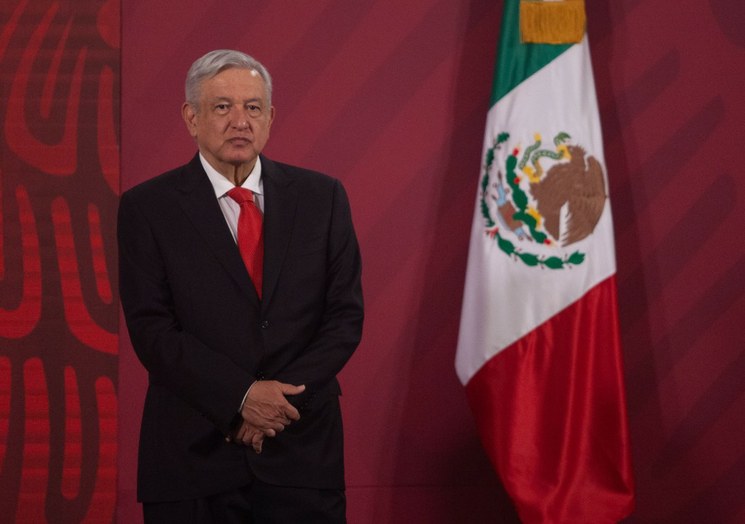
{"x": 232, "y": 121}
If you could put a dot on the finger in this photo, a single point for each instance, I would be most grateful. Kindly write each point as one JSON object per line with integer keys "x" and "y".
{"x": 257, "y": 443}
{"x": 289, "y": 389}
{"x": 272, "y": 426}
{"x": 247, "y": 434}
{"x": 291, "y": 413}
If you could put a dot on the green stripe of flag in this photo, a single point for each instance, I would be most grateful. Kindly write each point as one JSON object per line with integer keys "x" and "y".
{"x": 517, "y": 61}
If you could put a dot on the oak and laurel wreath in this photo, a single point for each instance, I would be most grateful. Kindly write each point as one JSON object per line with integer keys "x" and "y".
{"x": 520, "y": 200}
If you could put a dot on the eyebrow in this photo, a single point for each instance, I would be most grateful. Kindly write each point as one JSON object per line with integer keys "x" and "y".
{"x": 228, "y": 99}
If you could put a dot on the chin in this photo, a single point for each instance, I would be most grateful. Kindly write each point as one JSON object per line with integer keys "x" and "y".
{"x": 241, "y": 159}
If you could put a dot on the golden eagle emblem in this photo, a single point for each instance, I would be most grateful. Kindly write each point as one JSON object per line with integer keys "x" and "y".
{"x": 548, "y": 209}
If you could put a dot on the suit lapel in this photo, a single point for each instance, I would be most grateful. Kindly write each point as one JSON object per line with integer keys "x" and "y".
{"x": 200, "y": 205}
{"x": 280, "y": 204}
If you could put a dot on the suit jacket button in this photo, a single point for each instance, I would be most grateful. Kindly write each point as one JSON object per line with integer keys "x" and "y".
{"x": 264, "y": 324}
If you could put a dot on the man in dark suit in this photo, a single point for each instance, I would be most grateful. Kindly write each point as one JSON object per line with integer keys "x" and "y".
{"x": 241, "y": 421}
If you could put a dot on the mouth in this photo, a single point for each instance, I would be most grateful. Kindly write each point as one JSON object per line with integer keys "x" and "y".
{"x": 239, "y": 141}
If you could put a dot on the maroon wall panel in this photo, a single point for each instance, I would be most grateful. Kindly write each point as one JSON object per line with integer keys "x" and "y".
{"x": 59, "y": 181}
{"x": 391, "y": 98}
{"x": 669, "y": 83}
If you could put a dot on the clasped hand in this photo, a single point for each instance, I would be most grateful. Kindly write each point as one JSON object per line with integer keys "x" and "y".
{"x": 266, "y": 412}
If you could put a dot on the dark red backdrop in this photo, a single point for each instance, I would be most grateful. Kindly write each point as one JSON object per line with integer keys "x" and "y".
{"x": 390, "y": 97}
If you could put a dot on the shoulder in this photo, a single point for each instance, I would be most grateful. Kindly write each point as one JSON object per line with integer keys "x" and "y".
{"x": 289, "y": 174}
{"x": 164, "y": 185}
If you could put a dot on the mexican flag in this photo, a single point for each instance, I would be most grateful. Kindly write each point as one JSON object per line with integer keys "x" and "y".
{"x": 538, "y": 350}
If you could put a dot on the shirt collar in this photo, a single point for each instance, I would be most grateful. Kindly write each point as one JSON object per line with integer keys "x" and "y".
{"x": 222, "y": 185}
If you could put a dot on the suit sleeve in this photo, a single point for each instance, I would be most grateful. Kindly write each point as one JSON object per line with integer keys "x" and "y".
{"x": 207, "y": 380}
{"x": 340, "y": 329}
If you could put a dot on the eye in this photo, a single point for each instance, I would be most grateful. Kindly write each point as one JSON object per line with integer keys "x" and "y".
{"x": 254, "y": 110}
{"x": 222, "y": 108}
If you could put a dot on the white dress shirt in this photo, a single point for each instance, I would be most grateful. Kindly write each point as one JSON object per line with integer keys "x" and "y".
{"x": 221, "y": 185}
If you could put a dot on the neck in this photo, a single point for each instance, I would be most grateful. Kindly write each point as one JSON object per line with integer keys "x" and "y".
{"x": 238, "y": 174}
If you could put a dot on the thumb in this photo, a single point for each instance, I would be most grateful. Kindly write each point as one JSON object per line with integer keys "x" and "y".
{"x": 289, "y": 389}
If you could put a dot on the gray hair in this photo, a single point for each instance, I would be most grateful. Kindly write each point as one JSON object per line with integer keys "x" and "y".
{"x": 216, "y": 62}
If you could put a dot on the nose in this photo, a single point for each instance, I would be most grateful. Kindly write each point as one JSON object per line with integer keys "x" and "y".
{"x": 240, "y": 118}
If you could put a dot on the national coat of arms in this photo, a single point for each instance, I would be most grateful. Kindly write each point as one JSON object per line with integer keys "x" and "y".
{"x": 535, "y": 212}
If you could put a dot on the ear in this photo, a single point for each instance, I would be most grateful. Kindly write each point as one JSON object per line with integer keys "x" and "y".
{"x": 271, "y": 117}
{"x": 190, "y": 118}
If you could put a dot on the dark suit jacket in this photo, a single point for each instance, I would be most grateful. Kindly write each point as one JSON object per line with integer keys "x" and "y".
{"x": 198, "y": 327}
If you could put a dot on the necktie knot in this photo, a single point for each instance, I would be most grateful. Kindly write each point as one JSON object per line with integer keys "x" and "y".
{"x": 241, "y": 195}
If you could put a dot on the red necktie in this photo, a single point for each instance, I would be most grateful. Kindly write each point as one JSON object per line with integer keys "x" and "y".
{"x": 250, "y": 237}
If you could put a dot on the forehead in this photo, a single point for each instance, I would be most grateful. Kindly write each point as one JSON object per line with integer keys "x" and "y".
{"x": 235, "y": 83}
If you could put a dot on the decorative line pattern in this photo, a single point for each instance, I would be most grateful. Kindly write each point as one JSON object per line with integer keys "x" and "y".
{"x": 59, "y": 184}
